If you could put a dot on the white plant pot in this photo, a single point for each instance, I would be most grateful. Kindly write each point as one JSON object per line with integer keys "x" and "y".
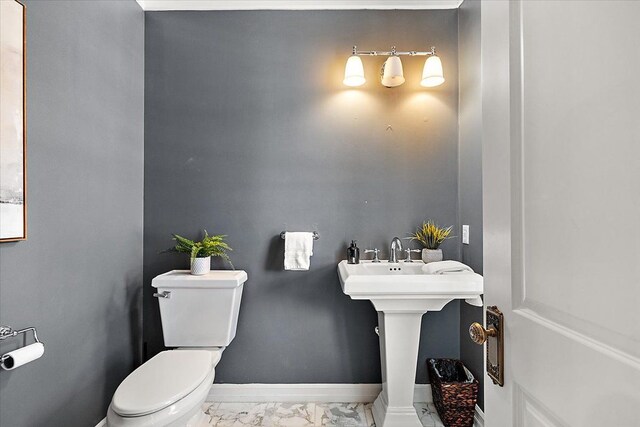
{"x": 200, "y": 266}
{"x": 431, "y": 255}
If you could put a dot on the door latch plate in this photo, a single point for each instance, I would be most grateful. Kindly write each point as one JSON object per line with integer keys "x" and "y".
{"x": 495, "y": 346}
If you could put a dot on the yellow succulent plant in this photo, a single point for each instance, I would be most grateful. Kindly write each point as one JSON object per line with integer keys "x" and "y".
{"x": 430, "y": 235}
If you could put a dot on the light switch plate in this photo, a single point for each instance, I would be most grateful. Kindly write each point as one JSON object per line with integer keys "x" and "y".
{"x": 465, "y": 234}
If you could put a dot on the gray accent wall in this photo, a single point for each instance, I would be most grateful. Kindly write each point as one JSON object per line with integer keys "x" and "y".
{"x": 78, "y": 277}
{"x": 470, "y": 164}
{"x": 249, "y": 132}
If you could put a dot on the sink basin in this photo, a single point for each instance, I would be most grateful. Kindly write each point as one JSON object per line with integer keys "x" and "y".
{"x": 370, "y": 280}
{"x": 402, "y": 293}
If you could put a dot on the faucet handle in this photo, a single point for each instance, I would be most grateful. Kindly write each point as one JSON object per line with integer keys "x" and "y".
{"x": 375, "y": 253}
{"x": 408, "y": 251}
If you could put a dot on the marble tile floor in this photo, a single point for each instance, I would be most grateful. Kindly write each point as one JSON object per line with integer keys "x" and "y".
{"x": 303, "y": 414}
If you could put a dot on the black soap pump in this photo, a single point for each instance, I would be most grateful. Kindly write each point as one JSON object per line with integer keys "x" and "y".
{"x": 353, "y": 253}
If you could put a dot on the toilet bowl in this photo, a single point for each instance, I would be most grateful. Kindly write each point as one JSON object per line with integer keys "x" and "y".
{"x": 168, "y": 390}
{"x": 199, "y": 316}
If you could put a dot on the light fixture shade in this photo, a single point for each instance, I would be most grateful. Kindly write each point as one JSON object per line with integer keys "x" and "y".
{"x": 354, "y": 72}
{"x": 392, "y": 75}
{"x": 432, "y": 74}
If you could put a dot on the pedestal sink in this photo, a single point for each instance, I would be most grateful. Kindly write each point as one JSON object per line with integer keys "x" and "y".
{"x": 401, "y": 293}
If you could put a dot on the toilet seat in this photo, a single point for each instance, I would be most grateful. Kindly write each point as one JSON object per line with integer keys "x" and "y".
{"x": 163, "y": 380}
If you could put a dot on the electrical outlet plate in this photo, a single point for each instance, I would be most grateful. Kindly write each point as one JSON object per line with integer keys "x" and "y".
{"x": 465, "y": 234}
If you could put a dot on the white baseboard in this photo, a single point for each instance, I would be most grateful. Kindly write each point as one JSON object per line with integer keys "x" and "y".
{"x": 102, "y": 423}
{"x": 305, "y": 393}
{"x": 294, "y": 392}
{"x": 422, "y": 393}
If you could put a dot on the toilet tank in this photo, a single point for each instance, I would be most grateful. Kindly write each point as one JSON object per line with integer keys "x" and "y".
{"x": 199, "y": 311}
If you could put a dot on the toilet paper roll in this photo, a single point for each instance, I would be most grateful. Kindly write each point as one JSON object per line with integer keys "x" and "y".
{"x": 19, "y": 357}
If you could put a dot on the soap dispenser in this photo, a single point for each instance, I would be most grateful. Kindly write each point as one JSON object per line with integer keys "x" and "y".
{"x": 353, "y": 253}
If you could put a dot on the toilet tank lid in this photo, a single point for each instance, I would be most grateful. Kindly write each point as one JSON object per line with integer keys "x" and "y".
{"x": 162, "y": 380}
{"x": 213, "y": 279}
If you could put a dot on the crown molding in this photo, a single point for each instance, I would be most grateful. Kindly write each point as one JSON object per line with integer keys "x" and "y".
{"x": 160, "y": 5}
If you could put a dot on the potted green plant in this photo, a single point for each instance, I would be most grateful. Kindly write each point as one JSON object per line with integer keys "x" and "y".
{"x": 430, "y": 235}
{"x": 202, "y": 251}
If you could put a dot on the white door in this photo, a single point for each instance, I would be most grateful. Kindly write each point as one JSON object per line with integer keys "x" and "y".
{"x": 561, "y": 161}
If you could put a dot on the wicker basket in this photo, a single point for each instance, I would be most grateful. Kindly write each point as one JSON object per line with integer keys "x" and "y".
{"x": 455, "y": 391}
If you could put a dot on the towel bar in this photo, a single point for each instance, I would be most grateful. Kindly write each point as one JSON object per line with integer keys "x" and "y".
{"x": 316, "y": 236}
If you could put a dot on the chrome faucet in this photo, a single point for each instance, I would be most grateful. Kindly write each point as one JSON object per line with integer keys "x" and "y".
{"x": 396, "y": 246}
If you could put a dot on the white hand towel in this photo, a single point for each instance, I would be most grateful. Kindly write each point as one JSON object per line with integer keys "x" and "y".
{"x": 298, "y": 248}
{"x": 446, "y": 267}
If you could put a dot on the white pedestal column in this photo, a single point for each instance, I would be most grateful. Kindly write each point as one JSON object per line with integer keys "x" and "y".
{"x": 399, "y": 340}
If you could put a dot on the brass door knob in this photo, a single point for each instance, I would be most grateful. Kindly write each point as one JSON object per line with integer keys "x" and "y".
{"x": 479, "y": 334}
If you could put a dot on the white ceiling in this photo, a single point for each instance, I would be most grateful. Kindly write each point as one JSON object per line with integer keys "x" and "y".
{"x": 295, "y": 4}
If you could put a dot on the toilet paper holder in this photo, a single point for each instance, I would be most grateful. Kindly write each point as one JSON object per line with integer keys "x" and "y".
{"x": 8, "y": 332}
{"x": 23, "y": 355}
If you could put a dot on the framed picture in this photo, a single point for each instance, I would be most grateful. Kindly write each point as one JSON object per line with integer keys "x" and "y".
{"x": 13, "y": 176}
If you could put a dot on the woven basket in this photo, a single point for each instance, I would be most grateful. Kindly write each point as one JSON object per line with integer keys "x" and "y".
{"x": 455, "y": 391}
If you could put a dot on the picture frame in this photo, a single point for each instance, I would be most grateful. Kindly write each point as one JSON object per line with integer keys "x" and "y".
{"x": 13, "y": 122}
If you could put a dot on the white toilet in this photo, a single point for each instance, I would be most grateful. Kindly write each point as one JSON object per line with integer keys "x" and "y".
{"x": 199, "y": 316}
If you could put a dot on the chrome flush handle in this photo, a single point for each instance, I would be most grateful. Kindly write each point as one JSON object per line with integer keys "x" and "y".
{"x": 163, "y": 294}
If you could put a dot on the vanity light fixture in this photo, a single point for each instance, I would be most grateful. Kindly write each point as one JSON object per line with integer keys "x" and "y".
{"x": 432, "y": 73}
{"x": 392, "y": 74}
{"x": 354, "y": 72}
